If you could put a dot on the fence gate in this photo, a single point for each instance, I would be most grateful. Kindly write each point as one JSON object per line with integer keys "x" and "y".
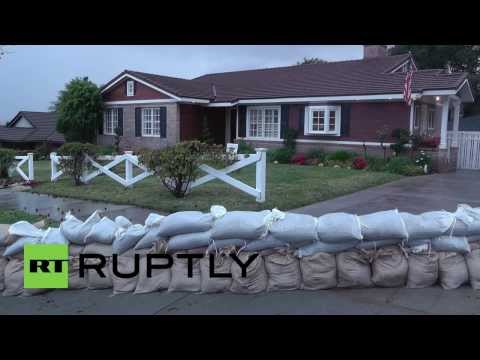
{"x": 468, "y": 150}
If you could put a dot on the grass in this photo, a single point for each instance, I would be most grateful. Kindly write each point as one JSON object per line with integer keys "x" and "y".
{"x": 288, "y": 187}
{"x": 12, "y": 216}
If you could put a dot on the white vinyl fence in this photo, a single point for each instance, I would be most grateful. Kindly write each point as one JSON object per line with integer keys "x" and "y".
{"x": 22, "y": 160}
{"x": 468, "y": 149}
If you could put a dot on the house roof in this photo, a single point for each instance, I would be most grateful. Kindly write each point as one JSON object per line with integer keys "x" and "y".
{"x": 43, "y": 128}
{"x": 371, "y": 76}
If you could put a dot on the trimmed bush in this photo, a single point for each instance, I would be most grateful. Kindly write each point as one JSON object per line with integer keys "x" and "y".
{"x": 282, "y": 155}
{"x": 245, "y": 148}
{"x": 376, "y": 164}
{"x": 359, "y": 163}
{"x": 7, "y": 158}
{"x": 341, "y": 155}
{"x": 317, "y": 154}
{"x": 105, "y": 150}
{"x": 75, "y": 165}
{"x": 403, "y": 166}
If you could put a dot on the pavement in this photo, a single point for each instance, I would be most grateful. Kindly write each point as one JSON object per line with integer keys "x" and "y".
{"x": 418, "y": 194}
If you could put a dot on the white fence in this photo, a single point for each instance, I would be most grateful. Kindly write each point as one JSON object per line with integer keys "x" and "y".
{"x": 25, "y": 159}
{"x": 468, "y": 149}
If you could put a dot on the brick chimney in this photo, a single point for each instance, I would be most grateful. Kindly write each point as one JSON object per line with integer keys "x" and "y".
{"x": 373, "y": 51}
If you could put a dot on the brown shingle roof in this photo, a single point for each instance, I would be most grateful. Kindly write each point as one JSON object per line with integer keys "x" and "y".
{"x": 43, "y": 128}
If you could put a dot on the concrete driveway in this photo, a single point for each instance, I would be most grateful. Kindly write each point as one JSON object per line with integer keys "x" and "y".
{"x": 440, "y": 191}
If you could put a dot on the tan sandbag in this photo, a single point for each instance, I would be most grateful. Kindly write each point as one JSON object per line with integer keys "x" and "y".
{"x": 221, "y": 265}
{"x": 126, "y": 265}
{"x": 160, "y": 279}
{"x": 319, "y": 271}
{"x": 13, "y": 278}
{"x": 256, "y": 279}
{"x": 473, "y": 265}
{"x": 75, "y": 250}
{"x": 283, "y": 270}
{"x": 353, "y": 269}
{"x": 452, "y": 270}
{"x": 3, "y": 264}
{"x": 389, "y": 267}
{"x": 95, "y": 281}
{"x": 3, "y": 233}
{"x": 422, "y": 270}
{"x": 76, "y": 282}
{"x": 180, "y": 280}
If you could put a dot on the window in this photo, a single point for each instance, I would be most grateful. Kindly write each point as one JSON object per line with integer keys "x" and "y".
{"x": 151, "y": 122}
{"x": 418, "y": 115}
{"x": 263, "y": 122}
{"x": 110, "y": 121}
{"x": 431, "y": 119}
{"x": 322, "y": 120}
{"x": 130, "y": 88}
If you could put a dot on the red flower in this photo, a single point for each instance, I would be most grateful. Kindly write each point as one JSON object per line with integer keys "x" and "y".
{"x": 359, "y": 163}
{"x": 299, "y": 159}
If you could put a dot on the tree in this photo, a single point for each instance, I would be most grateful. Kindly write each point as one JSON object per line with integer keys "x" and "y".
{"x": 79, "y": 109}
{"x": 312, "y": 60}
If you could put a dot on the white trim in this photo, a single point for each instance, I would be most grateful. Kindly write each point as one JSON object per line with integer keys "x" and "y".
{"x": 152, "y": 120}
{"x": 130, "y": 90}
{"x": 262, "y": 109}
{"x": 224, "y": 104}
{"x": 131, "y": 102}
{"x": 194, "y": 100}
{"x": 312, "y": 141}
{"x": 327, "y": 109}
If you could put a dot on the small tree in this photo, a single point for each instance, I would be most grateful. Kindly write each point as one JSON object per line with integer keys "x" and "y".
{"x": 75, "y": 165}
{"x": 79, "y": 109}
{"x": 206, "y": 136}
{"x": 402, "y": 137}
{"x": 382, "y": 136}
{"x": 312, "y": 60}
{"x": 116, "y": 143}
{"x": 7, "y": 158}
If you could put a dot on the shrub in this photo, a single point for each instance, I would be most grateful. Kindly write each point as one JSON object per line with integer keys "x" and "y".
{"x": 75, "y": 165}
{"x": 42, "y": 151}
{"x": 359, "y": 163}
{"x": 402, "y": 137}
{"x": 245, "y": 148}
{"x": 341, "y": 155}
{"x": 282, "y": 155}
{"x": 422, "y": 159}
{"x": 403, "y": 166}
{"x": 376, "y": 164}
{"x": 289, "y": 139}
{"x": 317, "y": 154}
{"x": 105, "y": 150}
{"x": 299, "y": 159}
{"x": 7, "y": 158}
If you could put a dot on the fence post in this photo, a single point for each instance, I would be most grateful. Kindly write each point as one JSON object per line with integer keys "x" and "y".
{"x": 31, "y": 175}
{"x": 128, "y": 168}
{"x": 261, "y": 174}
{"x": 53, "y": 165}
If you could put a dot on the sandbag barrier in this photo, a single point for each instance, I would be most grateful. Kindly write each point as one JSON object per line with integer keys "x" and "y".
{"x": 294, "y": 251}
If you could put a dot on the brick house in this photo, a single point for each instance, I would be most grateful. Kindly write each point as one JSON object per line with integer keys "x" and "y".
{"x": 335, "y": 105}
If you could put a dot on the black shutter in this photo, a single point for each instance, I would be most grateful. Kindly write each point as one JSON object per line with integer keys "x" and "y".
{"x": 163, "y": 122}
{"x": 100, "y": 124}
{"x": 120, "y": 121}
{"x": 301, "y": 120}
{"x": 345, "y": 120}
{"x": 134, "y": 88}
{"x": 284, "y": 120}
{"x": 138, "y": 122}
{"x": 242, "y": 121}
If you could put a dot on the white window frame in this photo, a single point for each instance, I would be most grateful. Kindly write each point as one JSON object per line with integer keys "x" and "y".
{"x": 431, "y": 117}
{"x": 416, "y": 118}
{"x": 110, "y": 112}
{"x": 262, "y": 109}
{"x": 130, "y": 88}
{"x": 308, "y": 123}
{"x": 151, "y": 112}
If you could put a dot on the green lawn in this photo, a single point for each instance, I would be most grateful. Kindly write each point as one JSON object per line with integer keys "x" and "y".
{"x": 12, "y": 216}
{"x": 288, "y": 187}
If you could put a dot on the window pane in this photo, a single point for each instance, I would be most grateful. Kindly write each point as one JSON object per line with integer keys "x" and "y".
{"x": 268, "y": 123}
{"x": 255, "y": 123}
{"x": 332, "y": 121}
{"x": 318, "y": 120}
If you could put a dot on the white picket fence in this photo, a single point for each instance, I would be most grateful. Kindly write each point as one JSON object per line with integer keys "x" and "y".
{"x": 18, "y": 167}
{"x": 468, "y": 149}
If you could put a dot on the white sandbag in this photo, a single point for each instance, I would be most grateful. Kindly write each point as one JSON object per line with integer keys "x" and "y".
{"x": 295, "y": 228}
{"x": 320, "y": 246}
{"x": 126, "y": 239}
{"x": 75, "y": 230}
{"x": 383, "y": 225}
{"x": 473, "y": 264}
{"x": 102, "y": 232}
{"x": 53, "y": 236}
{"x": 189, "y": 241}
{"x": 95, "y": 281}
{"x": 353, "y": 269}
{"x": 473, "y": 238}
{"x": 338, "y": 228}
{"x": 123, "y": 222}
{"x": 467, "y": 221}
{"x": 424, "y": 243}
{"x": 24, "y": 228}
{"x": 218, "y": 245}
{"x": 17, "y": 246}
{"x": 10, "y": 238}
{"x": 152, "y": 232}
{"x": 248, "y": 225}
{"x": 185, "y": 222}
{"x": 452, "y": 270}
{"x": 427, "y": 225}
{"x": 283, "y": 270}
{"x": 256, "y": 276}
{"x": 389, "y": 267}
{"x": 374, "y": 245}
{"x": 268, "y": 242}
{"x": 455, "y": 244}
{"x": 160, "y": 278}
{"x": 127, "y": 263}
{"x": 319, "y": 271}
{"x": 180, "y": 280}
{"x": 422, "y": 269}
{"x": 221, "y": 265}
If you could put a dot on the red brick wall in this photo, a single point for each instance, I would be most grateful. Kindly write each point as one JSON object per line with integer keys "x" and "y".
{"x": 190, "y": 121}
{"x": 142, "y": 92}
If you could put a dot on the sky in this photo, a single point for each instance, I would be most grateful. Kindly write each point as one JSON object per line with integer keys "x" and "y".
{"x": 31, "y": 76}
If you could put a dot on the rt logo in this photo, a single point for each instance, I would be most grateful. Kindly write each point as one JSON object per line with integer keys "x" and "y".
{"x": 45, "y": 266}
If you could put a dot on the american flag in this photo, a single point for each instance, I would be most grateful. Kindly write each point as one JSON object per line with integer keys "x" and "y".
{"x": 407, "y": 88}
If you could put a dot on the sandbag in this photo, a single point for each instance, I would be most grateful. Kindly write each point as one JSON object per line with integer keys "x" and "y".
{"x": 53, "y": 236}
{"x": 248, "y": 225}
{"x": 221, "y": 265}
{"x": 75, "y": 282}
{"x": 95, "y": 281}
{"x": 256, "y": 277}
{"x": 126, "y": 264}
{"x": 75, "y": 250}
{"x": 102, "y": 232}
{"x": 452, "y": 270}
{"x": 160, "y": 279}
{"x": 10, "y": 238}
{"x": 24, "y": 228}
{"x": 3, "y": 264}
{"x": 389, "y": 267}
{"x": 17, "y": 246}
{"x": 383, "y": 225}
{"x": 268, "y": 242}
{"x": 75, "y": 230}
{"x": 374, "y": 245}
{"x": 422, "y": 269}
{"x": 283, "y": 270}
{"x": 338, "y": 228}
{"x": 427, "y": 225}
{"x": 473, "y": 265}
{"x": 218, "y": 245}
{"x": 185, "y": 222}
{"x": 13, "y": 281}
{"x": 123, "y": 222}
{"x": 455, "y": 244}
{"x": 180, "y": 280}
{"x": 189, "y": 241}
{"x": 467, "y": 221}
{"x": 126, "y": 239}
{"x": 295, "y": 228}
{"x": 319, "y": 271}
{"x": 319, "y": 246}
{"x": 152, "y": 232}
{"x": 353, "y": 269}
{"x": 3, "y": 233}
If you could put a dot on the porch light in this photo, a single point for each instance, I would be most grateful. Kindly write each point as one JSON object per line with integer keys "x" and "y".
{"x": 437, "y": 98}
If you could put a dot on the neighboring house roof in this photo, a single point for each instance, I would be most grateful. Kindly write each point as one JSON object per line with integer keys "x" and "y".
{"x": 469, "y": 123}
{"x": 371, "y": 76}
{"x": 43, "y": 128}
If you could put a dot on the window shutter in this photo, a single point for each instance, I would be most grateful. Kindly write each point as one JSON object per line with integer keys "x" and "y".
{"x": 100, "y": 124}
{"x": 242, "y": 121}
{"x": 134, "y": 88}
{"x": 284, "y": 119}
{"x": 138, "y": 122}
{"x": 345, "y": 120}
{"x": 120, "y": 121}
{"x": 163, "y": 122}
{"x": 301, "y": 120}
